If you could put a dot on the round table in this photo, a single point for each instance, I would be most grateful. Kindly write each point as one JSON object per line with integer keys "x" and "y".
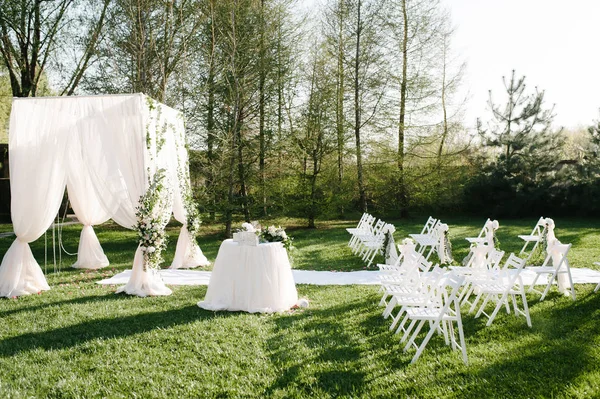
{"x": 251, "y": 279}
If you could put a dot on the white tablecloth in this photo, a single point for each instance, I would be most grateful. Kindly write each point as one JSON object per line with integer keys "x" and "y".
{"x": 251, "y": 279}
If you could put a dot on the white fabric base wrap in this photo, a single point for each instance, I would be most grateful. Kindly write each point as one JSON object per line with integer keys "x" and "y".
{"x": 90, "y": 254}
{"x": 144, "y": 283}
{"x": 24, "y": 275}
{"x": 188, "y": 254}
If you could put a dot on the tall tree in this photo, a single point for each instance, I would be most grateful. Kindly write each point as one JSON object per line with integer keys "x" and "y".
{"x": 147, "y": 42}
{"x": 368, "y": 77}
{"x": 314, "y": 141}
{"x": 31, "y": 34}
{"x": 415, "y": 27}
{"x": 337, "y": 36}
{"x": 521, "y": 131}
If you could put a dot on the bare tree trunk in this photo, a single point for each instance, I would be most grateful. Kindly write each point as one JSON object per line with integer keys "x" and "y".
{"x": 402, "y": 195}
{"x": 357, "y": 121}
{"x": 210, "y": 116}
{"x": 340, "y": 103}
{"x": 444, "y": 111}
{"x": 261, "y": 111}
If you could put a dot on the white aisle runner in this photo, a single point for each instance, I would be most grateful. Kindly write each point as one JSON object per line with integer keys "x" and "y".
{"x": 363, "y": 277}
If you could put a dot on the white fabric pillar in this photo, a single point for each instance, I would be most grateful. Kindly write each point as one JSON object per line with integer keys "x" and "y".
{"x": 187, "y": 253}
{"x": 37, "y": 144}
{"x": 88, "y": 209}
{"x": 153, "y": 156}
{"x": 89, "y": 252}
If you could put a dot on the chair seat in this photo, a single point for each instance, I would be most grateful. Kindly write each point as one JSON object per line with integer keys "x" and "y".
{"x": 427, "y": 314}
{"x": 424, "y": 239}
{"x": 374, "y": 244}
{"x": 462, "y": 270}
{"x": 400, "y": 289}
{"x": 530, "y": 238}
{"x": 542, "y": 269}
{"x": 475, "y": 240}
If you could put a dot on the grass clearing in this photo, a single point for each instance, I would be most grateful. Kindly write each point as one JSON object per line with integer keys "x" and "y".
{"x": 81, "y": 340}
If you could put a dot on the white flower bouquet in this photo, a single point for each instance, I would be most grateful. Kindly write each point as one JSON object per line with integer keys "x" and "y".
{"x": 276, "y": 234}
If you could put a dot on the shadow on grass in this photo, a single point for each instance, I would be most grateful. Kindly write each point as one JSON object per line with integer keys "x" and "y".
{"x": 332, "y": 353}
{"x": 74, "y": 301}
{"x": 550, "y": 356}
{"x": 106, "y": 328}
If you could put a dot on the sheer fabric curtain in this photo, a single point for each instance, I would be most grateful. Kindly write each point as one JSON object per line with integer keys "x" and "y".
{"x": 187, "y": 253}
{"x": 38, "y": 179}
{"x": 85, "y": 204}
{"x": 152, "y": 121}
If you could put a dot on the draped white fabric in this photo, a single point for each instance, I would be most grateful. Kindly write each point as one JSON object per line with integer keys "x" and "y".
{"x": 105, "y": 149}
{"x": 187, "y": 253}
{"x": 87, "y": 208}
{"x": 36, "y": 155}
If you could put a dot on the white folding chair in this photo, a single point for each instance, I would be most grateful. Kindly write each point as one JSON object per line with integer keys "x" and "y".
{"x": 367, "y": 236}
{"x": 555, "y": 265}
{"x": 499, "y": 286}
{"x": 440, "y": 316}
{"x": 428, "y": 238}
{"x": 423, "y": 294}
{"x": 474, "y": 275}
{"x": 481, "y": 236}
{"x": 535, "y": 237}
{"x": 406, "y": 280}
{"x": 374, "y": 245}
{"x": 364, "y": 228}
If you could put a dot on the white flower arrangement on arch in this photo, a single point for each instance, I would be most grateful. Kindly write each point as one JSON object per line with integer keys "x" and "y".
{"x": 153, "y": 213}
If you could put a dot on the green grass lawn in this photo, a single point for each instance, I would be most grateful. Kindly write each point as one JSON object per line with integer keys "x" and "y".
{"x": 81, "y": 340}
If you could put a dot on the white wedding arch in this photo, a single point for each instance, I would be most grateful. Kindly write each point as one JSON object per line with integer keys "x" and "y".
{"x": 108, "y": 152}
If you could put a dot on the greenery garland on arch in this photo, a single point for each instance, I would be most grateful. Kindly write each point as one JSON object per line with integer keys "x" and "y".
{"x": 192, "y": 214}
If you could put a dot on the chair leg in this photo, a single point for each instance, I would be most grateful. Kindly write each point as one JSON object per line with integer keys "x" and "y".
{"x": 550, "y": 281}
{"x": 461, "y": 336}
{"x": 485, "y": 301}
{"x": 573, "y": 295}
{"x": 525, "y": 307}
{"x": 424, "y": 343}
{"x": 401, "y": 326}
{"x": 498, "y": 306}
{"x": 408, "y": 331}
{"x": 475, "y": 302}
{"x": 532, "y": 285}
{"x": 524, "y": 246}
{"x": 390, "y": 306}
{"x": 413, "y": 334}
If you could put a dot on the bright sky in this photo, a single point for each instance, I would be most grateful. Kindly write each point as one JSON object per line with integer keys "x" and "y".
{"x": 553, "y": 43}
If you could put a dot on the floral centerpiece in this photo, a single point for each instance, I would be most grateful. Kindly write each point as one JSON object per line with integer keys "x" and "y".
{"x": 276, "y": 234}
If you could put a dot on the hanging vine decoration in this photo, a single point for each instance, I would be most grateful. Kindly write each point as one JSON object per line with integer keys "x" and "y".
{"x": 193, "y": 220}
